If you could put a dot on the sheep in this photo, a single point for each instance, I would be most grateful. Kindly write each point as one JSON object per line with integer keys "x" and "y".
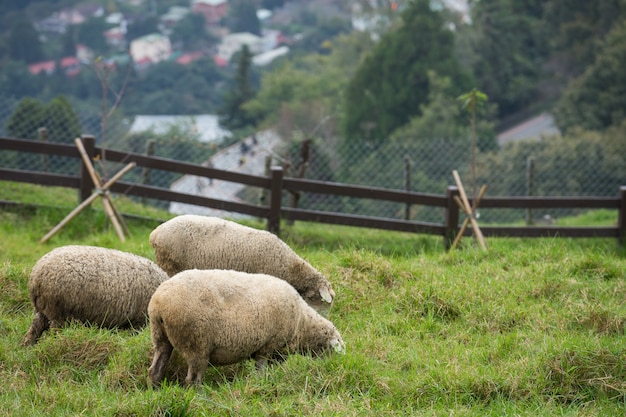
{"x": 222, "y": 317}
{"x": 90, "y": 284}
{"x": 201, "y": 242}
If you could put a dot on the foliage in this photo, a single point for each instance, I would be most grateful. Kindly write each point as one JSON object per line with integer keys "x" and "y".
{"x": 531, "y": 327}
{"x": 57, "y": 117}
{"x": 23, "y": 42}
{"x": 191, "y": 32}
{"x": 195, "y": 88}
{"x": 242, "y": 17}
{"x": 302, "y": 93}
{"x": 392, "y": 82}
{"x": 232, "y": 114}
{"x": 576, "y": 28}
{"x": 91, "y": 33}
{"x": 509, "y": 47}
{"x": 604, "y": 154}
{"x": 596, "y": 99}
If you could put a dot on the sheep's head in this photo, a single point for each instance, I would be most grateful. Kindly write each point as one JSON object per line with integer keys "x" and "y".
{"x": 319, "y": 298}
{"x": 338, "y": 345}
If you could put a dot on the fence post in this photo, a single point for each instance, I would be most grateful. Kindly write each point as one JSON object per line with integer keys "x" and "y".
{"x": 267, "y": 172}
{"x": 145, "y": 174}
{"x": 273, "y": 220}
{"x": 407, "y": 185}
{"x": 86, "y": 184}
{"x": 43, "y": 137}
{"x": 621, "y": 222}
{"x": 530, "y": 186}
{"x": 452, "y": 217}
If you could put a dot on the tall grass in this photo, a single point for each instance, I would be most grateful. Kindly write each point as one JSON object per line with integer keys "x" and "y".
{"x": 530, "y": 328}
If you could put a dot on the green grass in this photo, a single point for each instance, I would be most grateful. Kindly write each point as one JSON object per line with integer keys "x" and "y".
{"x": 532, "y": 327}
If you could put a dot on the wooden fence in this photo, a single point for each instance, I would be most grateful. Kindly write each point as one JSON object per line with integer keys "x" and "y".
{"x": 277, "y": 183}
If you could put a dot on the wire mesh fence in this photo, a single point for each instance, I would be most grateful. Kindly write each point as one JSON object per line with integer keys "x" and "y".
{"x": 555, "y": 166}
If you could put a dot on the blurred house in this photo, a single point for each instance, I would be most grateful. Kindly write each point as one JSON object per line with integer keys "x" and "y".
{"x": 212, "y": 10}
{"x": 233, "y": 43}
{"x": 150, "y": 49}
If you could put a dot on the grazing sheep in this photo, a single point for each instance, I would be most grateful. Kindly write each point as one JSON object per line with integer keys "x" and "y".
{"x": 221, "y": 317}
{"x": 104, "y": 287}
{"x": 201, "y": 242}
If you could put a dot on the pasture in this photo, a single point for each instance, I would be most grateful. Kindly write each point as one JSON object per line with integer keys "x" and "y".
{"x": 532, "y": 327}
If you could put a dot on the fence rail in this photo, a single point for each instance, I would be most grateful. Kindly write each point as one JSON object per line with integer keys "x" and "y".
{"x": 276, "y": 184}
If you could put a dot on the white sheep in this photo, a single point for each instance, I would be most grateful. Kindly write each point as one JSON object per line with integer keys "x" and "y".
{"x": 201, "y": 242}
{"x": 90, "y": 284}
{"x": 221, "y": 317}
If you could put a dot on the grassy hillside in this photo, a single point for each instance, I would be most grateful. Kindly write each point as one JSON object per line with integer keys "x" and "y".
{"x": 530, "y": 328}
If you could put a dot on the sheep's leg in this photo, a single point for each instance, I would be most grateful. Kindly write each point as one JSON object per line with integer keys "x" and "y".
{"x": 260, "y": 362}
{"x": 40, "y": 324}
{"x": 162, "y": 353}
{"x": 196, "y": 368}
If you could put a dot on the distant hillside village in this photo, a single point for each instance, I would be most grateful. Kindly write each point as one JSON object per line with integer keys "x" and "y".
{"x": 155, "y": 47}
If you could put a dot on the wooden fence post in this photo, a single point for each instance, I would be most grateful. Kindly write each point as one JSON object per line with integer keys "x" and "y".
{"x": 621, "y": 223}
{"x": 146, "y": 172}
{"x": 407, "y": 185}
{"x": 530, "y": 186}
{"x": 452, "y": 216}
{"x": 273, "y": 220}
{"x": 43, "y": 137}
{"x": 86, "y": 183}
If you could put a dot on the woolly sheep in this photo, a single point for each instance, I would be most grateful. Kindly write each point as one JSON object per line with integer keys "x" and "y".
{"x": 90, "y": 284}
{"x": 201, "y": 242}
{"x": 221, "y": 317}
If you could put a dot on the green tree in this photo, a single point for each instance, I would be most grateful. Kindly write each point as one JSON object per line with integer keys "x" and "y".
{"x": 597, "y": 99}
{"x": 62, "y": 121}
{"x": 91, "y": 33}
{"x": 509, "y": 48}
{"x": 68, "y": 41}
{"x": 233, "y": 115}
{"x": 17, "y": 81}
{"x": 392, "y": 82}
{"x": 23, "y": 41}
{"x": 302, "y": 94}
{"x": 145, "y": 25}
{"x": 242, "y": 17}
{"x": 191, "y": 32}
{"x": 575, "y": 29}
{"x": 28, "y": 116}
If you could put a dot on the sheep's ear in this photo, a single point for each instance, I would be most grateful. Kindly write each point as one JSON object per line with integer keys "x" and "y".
{"x": 325, "y": 294}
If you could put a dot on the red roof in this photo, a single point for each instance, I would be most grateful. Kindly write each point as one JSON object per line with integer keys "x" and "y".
{"x": 219, "y": 61}
{"x": 189, "y": 57}
{"x": 39, "y": 67}
{"x": 68, "y": 61}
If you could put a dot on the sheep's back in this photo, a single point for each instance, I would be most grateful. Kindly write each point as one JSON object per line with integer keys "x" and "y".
{"x": 191, "y": 241}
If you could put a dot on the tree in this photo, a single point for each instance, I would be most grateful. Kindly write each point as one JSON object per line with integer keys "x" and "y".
{"x": 242, "y": 17}
{"x": 191, "y": 32}
{"x": 17, "y": 81}
{"x": 28, "y": 116}
{"x": 68, "y": 41}
{"x": 233, "y": 115}
{"x": 597, "y": 99}
{"x": 24, "y": 44}
{"x": 303, "y": 93}
{"x": 575, "y": 29}
{"x": 62, "y": 121}
{"x": 509, "y": 48}
{"x": 144, "y": 25}
{"x": 91, "y": 33}
{"x": 392, "y": 82}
